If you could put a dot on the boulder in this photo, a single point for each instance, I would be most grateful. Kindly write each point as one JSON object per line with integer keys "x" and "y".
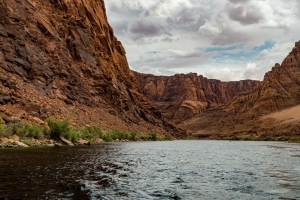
{"x": 65, "y": 141}
{"x": 83, "y": 142}
{"x": 20, "y": 144}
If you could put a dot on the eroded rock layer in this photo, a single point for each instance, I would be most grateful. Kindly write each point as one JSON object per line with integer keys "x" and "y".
{"x": 271, "y": 108}
{"x": 61, "y": 58}
{"x": 183, "y": 96}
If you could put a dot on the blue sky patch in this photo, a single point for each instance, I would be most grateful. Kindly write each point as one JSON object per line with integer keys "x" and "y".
{"x": 237, "y": 52}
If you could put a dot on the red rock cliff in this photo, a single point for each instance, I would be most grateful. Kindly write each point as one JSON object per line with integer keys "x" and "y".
{"x": 280, "y": 88}
{"x": 271, "y": 109}
{"x": 61, "y": 58}
{"x": 182, "y": 96}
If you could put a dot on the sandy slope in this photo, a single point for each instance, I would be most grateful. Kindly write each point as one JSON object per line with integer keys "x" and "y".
{"x": 286, "y": 116}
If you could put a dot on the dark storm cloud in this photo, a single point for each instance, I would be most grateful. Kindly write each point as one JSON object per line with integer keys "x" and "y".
{"x": 245, "y": 14}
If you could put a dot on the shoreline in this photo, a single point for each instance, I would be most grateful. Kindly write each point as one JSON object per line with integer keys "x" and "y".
{"x": 6, "y": 143}
{"x": 16, "y": 143}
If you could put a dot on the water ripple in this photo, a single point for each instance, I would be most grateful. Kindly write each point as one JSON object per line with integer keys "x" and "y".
{"x": 153, "y": 170}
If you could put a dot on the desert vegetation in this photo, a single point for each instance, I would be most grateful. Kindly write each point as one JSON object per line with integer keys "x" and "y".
{"x": 58, "y": 129}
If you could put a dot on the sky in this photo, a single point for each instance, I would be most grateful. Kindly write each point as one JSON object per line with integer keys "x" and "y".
{"x": 220, "y": 39}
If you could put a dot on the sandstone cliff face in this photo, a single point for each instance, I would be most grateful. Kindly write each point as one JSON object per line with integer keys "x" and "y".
{"x": 271, "y": 108}
{"x": 279, "y": 89}
{"x": 61, "y": 58}
{"x": 182, "y": 96}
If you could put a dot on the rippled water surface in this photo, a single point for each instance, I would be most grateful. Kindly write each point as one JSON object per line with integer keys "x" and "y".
{"x": 153, "y": 170}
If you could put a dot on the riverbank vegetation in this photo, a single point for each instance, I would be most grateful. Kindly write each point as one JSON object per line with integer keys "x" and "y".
{"x": 262, "y": 137}
{"x": 60, "y": 129}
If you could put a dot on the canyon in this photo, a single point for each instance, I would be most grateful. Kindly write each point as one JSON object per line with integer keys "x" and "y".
{"x": 183, "y": 96}
{"x": 270, "y": 109}
{"x": 60, "y": 58}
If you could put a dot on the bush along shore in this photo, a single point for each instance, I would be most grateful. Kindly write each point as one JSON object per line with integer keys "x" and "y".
{"x": 59, "y": 132}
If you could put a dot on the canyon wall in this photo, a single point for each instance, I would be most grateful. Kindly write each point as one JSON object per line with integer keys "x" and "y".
{"x": 60, "y": 58}
{"x": 183, "y": 96}
{"x": 280, "y": 89}
{"x": 271, "y": 108}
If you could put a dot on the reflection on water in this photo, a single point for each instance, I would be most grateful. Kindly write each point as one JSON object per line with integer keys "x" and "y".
{"x": 153, "y": 170}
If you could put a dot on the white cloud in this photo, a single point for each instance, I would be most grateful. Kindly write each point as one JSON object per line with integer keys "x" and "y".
{"x": 209, "y": 30}
{"x": 178, "y": 28}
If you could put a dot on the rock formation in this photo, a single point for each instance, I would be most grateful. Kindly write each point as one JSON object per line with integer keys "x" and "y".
{"x": 183, "y": 96}
{"x": 271, "y": 108}
{"x": 61, "y": 58}
{"x": 280, "y": 88}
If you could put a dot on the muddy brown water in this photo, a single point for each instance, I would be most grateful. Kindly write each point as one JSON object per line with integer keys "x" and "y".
{"x": 153, "y": 170}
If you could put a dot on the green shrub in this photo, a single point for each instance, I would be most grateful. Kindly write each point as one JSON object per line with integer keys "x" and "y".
{"x": 72, "y": 135}
{"x": 145, "y": 137}
{"x": 92, "y": 132}
{"x": 133, "y": 135}
{"x": 58, "y": 127}
{"x": 25, "y": 130}
{"x": 294, "y": 139}
{"x": 168, "y": 136}
{"x": 107, "y": 138}
{"x": 11, "y": 129}
{"x": 32, "y": 131}
{"x": 265, "y": 137}
{"x": 190, "y": 138}
{"x": 152, "y": 136}
{"x": 2, "y": 130}
{"x": 117, "y": 134}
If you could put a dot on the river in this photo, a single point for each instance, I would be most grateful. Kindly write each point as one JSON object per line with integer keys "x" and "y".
{"x": 153, "y": 170}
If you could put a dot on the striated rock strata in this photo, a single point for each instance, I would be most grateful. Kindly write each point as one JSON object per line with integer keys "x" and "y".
{"x": 183, "y": 96}
{"x": 61, "y": 58}
{"x": 271, "y": 108}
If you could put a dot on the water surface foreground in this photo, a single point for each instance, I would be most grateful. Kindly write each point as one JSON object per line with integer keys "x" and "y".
{"x": 153, "y": 170}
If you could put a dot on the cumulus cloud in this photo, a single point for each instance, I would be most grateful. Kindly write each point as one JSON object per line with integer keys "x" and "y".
{"x": 147, "y": 27}
{"x": 245, "y": 14}
{"x": 209, "y": 30}
{"x": 178, "y": 29}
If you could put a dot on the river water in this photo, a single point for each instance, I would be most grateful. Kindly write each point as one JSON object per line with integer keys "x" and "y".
{"x": 153, "y": 170}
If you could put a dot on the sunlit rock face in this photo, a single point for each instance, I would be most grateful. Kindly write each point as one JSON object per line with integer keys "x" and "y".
{"x": 270, "y": 109}
{"x": 61, "y": 58}
{"x": 280, "y": 88}
{"x": 183, "y": 96}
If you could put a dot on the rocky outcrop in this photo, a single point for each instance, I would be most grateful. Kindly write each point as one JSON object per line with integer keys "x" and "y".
{"x": 60, "y": 58}
{"x": 271, "y": 108}
{"x": 280, "y": 89}
{"x": 183, "y": 96}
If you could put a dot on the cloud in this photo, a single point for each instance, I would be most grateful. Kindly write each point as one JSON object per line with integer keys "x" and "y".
{"x": 209, "y": 30}
{"x": 239, "y": 1}
{"x": 230, "y": 37}
{"x": 186, "y": 54}
{"x": 147, "y": 27}
{"x": 245, "y": 14}
{"x": 236, "y": 32}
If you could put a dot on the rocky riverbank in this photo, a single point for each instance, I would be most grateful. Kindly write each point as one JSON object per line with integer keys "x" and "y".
{"x": 15, "y": 142}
